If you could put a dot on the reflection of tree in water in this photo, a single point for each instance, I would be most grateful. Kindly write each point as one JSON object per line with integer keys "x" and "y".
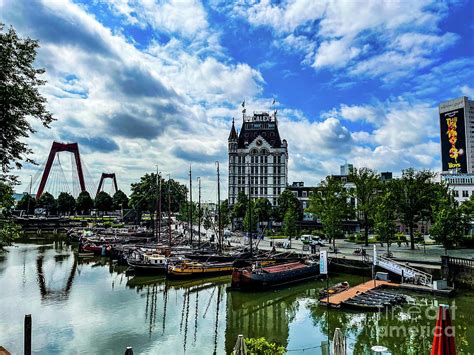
{"x": 46, "y": 292}
{"x": 264, "y": 314}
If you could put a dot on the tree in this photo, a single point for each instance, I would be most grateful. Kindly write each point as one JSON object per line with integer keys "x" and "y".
{"x": 6, "y": 196}
{"x": 103, "y": 202}
{"x": 413, "y": 195}
{"x": 84, "y": 203}
{"x": 288, "y": 200}
{"x": 66, "y": 203}
{"x": 145, "y": 193}
{"x": 289, "y": 223}
{"x": 240, "y": 206}
{"x": 19, "y": 99}
{"x": 367, "y": 186}
{"x": 47, "y": 202}
{"x": 330, "y": 204}
{"x": 263, "y": 209}
{"x": 9, "y": 230}
{"x": 225, "y": 213}
{"x": 250, "y": 219}
{"x": 120, "y": 200}
{"x": 27, "y": 203}
{"x": 262, "y": 346}
{"x": 385, "y": 217}
{"x": 449, "y": 221}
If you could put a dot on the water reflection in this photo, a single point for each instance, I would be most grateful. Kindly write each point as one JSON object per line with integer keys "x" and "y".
{"x": 84, "y": 302}
{"x": 48, "y": 294}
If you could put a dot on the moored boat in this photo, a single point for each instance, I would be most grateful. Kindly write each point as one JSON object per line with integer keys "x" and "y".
{"x": 197, "y": 269}
{"x": 335, "y": 289}
{"x": 149, "y": 264}
{"x": 273, "y": 276}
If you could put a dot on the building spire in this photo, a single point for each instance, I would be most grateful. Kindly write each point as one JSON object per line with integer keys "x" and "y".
{"x": 233, "y": 132}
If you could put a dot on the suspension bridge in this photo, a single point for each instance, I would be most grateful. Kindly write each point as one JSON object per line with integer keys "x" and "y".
{"x": 64, "y": 170}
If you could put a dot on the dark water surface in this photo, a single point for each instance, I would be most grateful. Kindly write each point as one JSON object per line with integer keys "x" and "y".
{"x": 93, "y": 307}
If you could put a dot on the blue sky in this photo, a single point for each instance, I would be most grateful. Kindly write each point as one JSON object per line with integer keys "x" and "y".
{"x": 143, "y": 83}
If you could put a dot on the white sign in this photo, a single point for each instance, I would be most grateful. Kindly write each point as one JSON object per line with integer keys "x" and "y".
{"x": 323, "y": 262}
{"x": 375, "y": 254}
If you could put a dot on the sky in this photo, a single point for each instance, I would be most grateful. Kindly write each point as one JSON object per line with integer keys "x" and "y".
{"x": 142, "y": 83}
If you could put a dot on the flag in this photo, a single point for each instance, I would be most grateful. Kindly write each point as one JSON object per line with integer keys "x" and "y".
{"x": 244, "y": 110}
{"x": 243, "y": 103}
{"x": 273, "y": 103}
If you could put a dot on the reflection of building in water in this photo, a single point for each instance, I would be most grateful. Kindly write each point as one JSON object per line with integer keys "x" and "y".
{"x": 263, "y": 315}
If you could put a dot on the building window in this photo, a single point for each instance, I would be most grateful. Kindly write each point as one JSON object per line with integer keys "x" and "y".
{"x": 305, "y": 193}
{"x": 456, "y": 193}
{"x": 465, "y": 193}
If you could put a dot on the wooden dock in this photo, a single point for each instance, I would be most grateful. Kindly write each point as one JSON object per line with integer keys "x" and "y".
{"x": 337, "y": 299}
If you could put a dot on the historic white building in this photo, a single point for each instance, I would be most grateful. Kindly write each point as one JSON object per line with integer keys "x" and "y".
{"x": 258, "y": 158}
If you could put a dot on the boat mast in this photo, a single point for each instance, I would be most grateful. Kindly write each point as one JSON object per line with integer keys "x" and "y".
{"x": 199, "y": 212}
{"x": 158, "y": 217}
{"x": 191, "y": 204}
{"x": 250, "y": 211}
{"x": 219, "y": 207}
{"x": 169, "y": 210}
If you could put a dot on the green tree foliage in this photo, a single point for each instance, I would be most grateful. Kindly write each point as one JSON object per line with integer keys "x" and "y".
{"x": 6, "y": 196}
{"x": 449, "y": 221}
{"x": 145, "y": 193}
{"x": 19, "y": 99}
{"x": 240, "y": 206}
{"x": 386, "y": 217}
{"x": 185, "y": 210}
{"x": 261, "y": 346}
{"x": 263, "y": 209}
{"x": 413, "y": 197}
{"x": 103, "y": 202}
{"x": 206, "y": 219}
{"x": 84, "y": 203}
{"x": 9, "y": 230}
{"x": 47, "y": 202}
{"x": 27, "y": 203}
{"x": 251, "y": 218}
{"x": 367, "y": 186}
{"x": 66, "y": 203}
{"x": 330, "y": 204}
{"x": 288, "y": 200}
{"x": 120, "y": 200}
{"x": 225, "y": 213}
{"x": 289, "y": 223}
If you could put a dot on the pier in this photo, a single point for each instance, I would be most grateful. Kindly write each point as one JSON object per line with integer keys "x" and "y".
{"x": 338, "y": 299}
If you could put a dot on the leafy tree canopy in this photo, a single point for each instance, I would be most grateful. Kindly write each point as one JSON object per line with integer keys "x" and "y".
{"x": 19, "y": 99}
{"x": 84, "y": 202}
{"x": 27, "y": 203}
{"x": 120, "y": 200}
{"x": 103, "y": 202}
{"x": 47, "y": 202}
{"x": 66, "y": 203}
{"x": 288, "y": 200}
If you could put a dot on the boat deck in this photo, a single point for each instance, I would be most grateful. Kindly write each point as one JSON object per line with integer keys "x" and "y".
{"x": 339, "y": 298}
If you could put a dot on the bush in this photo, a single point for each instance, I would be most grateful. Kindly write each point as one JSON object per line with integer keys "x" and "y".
{"x": 107, "y": 224}
{"x": 261, "y": 346}
{"x": 401, "y": 237}
{"x": 351, "y": 237}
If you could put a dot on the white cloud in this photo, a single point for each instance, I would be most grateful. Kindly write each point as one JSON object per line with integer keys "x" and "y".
{"x": 387, "y": 39}
{"x": 467, "y": 91}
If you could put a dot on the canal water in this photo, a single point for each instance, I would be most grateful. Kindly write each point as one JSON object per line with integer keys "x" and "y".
{"x": 94, "y": 307}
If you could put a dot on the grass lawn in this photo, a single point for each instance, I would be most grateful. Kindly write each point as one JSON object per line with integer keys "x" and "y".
{"x": 277, "y": 237}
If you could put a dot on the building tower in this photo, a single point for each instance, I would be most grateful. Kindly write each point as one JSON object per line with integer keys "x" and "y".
{"x": 259, "y": 152}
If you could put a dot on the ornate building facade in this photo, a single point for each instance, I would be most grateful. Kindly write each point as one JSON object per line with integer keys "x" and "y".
{"x": 258, "y": 158}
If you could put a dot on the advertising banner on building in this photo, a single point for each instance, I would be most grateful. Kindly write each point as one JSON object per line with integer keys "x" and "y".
{"x": 323, "y": 262}
{"x": 453, "y": 140}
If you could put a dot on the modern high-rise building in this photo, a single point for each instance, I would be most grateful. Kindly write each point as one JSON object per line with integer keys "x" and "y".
{"x": 457, "y": 146}
{"x": 258, "y": 158}
{"x": 457, "y": 135}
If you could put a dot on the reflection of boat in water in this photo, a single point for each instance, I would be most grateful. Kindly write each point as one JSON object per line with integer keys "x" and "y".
{"x": 149, "y": 264}
{"x": 335, "y": 289}
{"x": 273, "y": 276}
{"x": 196, "y": 269}
{"x": 141, "y": 280}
